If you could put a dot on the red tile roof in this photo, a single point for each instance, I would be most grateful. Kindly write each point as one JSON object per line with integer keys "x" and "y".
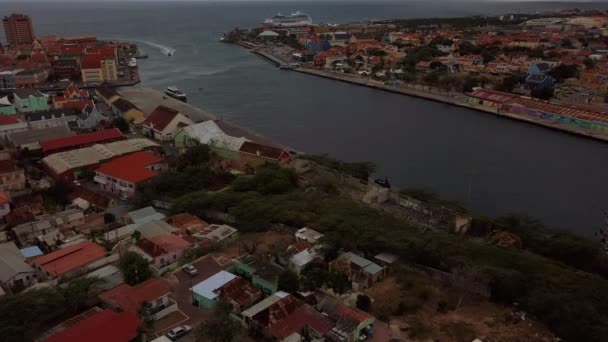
{"x": 187, "y": 221}
{"x": 70, "y": 258}
{"x": 131, "y": 168}
{"x": 7, "y": 120}
{"x": 129, "y": 298}
{"x": 103, "y": 326}
{"x": 71, "y": 49}
{"x": 160, "y": 118}
{"x": 265, "y": 151}
{"x": 91, "y": 61}
{"x": 241, "y": 291}
{"x": 81, "y": 139}
{"x": 300, "y": 246}
{"x": 78, "y": 106}
{"x": 303, "y": 316}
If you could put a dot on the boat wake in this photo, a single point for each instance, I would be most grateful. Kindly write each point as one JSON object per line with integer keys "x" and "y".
{"x": 167, "y": 50}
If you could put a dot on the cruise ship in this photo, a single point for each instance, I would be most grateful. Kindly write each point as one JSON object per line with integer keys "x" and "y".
{"x": 295, "y": 19}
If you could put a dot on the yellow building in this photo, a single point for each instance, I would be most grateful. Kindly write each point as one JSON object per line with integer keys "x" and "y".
{"x": 108, "y": 70}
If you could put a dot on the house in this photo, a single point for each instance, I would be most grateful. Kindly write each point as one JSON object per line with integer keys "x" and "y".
{"x": 162, "y": 250}
{"x": 539, "y": 68}
{"x": 298, "y": 247}
{"x": 91, "y": 117}
{"x": 94, "y": 199}
{"x": 5, "y": 204}
{"x": 12, "y": 177}
{"x": 223, "y": 138}
{"x": 254, "y": 154}
{"x": 386, "y": 259}
{"x": 65, "y": 68}
{"x": 15, "y": 273}
{"x": 216, "y": 234}
{"x": 206, "y": 293}
{"x": 120, "y": 233}
{"x": 360, "y": 271}
{"x": 187, "y": 223}
{"x": 163, "y": 123}
{"x": 29, "y": 100}
{"x": 154, "y": 292}
{"x": 350, "y": 324}
{"x": 6, "y": 107}
{"x": 309, "y": 235}
{"x": 107, "y": 95}
{"x": 299, "y": 261}
{"x": 262, "y": 273}
{"x": 239, "y": 294}
{"x": 31, "y": 78}
{"x": 69, "y": 165}
{"x": 30, "y": 138}
{"x": 51, "y": 118}
{"x": 122, "y": 175}
{"x": 81, "y": 140}
{"x": 540, "y": 81}
{"x": 143, "y": 215}
{"x": 47, "y": 227}
{"x": 110, "y": 276}
{"x": 10, "y": 124}
{"x": 69, "y": 260}
{"x": 97, "y": 68}
{"x": 98, "y": 325}
{"x": 282, "y": 316}
{"x": 128, "y": 111}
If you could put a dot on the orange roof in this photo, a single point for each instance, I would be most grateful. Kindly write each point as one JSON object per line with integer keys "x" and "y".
{"x": 186, "y": 221}
{"x": 70, "y": 258}
{"x": 131, "y": 168}
{"x": 170, "y": 242}
{"x": 129, "y": 298}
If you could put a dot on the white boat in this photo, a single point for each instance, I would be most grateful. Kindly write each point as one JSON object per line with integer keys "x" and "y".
{"x": 133, "y": 63}
{"x": 176, "y": 93}
{"x": 295, "y": 19}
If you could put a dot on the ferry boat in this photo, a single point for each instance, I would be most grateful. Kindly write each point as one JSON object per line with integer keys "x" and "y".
{"x": 295, "y": 19}
{"x": 176, "y": 93}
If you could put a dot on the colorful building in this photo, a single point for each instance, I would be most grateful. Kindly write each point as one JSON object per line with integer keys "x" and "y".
{"x": 29, "y": 100}
{"x": 122, "y": 175}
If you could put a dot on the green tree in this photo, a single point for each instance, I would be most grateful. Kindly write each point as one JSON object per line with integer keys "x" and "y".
{"x": 364, "y": 303}
{"x": 219, "y": 327}
{"x": 289, "y": 281}
{"x": 77, "y": 291}
{"x": 338, "y": 282}
{"x": 135, "y": 268}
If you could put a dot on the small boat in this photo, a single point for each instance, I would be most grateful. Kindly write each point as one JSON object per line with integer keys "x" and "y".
{"x": 176, "y": 93}
{"x": 133, "y": 63}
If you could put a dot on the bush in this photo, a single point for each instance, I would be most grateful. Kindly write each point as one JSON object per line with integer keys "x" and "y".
{"x": 364, "y": 303}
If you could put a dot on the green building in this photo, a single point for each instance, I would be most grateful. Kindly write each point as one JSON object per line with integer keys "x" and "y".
{"x": 30, "y": 100}
{"x": 263, "y": 274}
{"x": 206, "y": 293}
{"x": 6, "y": 107}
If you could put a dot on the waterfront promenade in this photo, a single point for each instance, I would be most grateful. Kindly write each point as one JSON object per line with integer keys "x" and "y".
{"x": 451, "y": 98}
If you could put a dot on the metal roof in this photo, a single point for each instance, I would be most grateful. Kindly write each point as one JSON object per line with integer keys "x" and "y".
{"x": 268, "y": 301}
{"x": 207, "y": 287}
{"x": 144, "y": 215}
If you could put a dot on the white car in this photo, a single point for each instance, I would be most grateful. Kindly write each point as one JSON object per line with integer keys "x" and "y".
{"x": 178, "y": 332}
{"x": 191, "y": 270}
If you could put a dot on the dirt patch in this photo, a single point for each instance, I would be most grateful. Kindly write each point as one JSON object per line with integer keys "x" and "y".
{"x": 418, "y": 309}
{"x": 258, "y": 243}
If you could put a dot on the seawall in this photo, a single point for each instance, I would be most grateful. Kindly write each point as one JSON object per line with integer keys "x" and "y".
{"x": 451, "y": 100}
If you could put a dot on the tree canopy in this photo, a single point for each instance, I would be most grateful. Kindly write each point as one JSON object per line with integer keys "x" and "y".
{"x": 135, "y": 268}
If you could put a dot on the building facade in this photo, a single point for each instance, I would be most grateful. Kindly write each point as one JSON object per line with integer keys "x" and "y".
{"x": 12, "y": 177}
{"x": 18, "y": 29}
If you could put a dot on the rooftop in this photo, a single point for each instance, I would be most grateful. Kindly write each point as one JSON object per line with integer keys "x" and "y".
{"x": 8, "y": 166}
{"x": 102, "y": 326}
{"x": 152, "y": 228}
{"x": 23, "y": 93}
{"x": 160, "y": 118}
{"x": 241, "y": 291}
{"x": 131, "y": 168}
{"x": 124, "y": 105}
{"x": 12, "y": 262}
{"x": 81, "y": 139}
{"x": 106, "y": 92}
{"x": 215, "y": 232}
{"x": 144, "y": 215}
{"x": 265, "y": 151}
{"x": 207, "y": 287}
{"x": 129, "y": 298}
{"x": 265, "y": 303}
{"x": 70, "y": 258}
{"x": 302, "y": 317}
{"x": 36, "y": 135}
{"x": 187, "y": 221}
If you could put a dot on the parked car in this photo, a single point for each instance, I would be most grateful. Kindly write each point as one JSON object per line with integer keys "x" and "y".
{"x": 191, "y": 270}
{"x": 178, "y": 332}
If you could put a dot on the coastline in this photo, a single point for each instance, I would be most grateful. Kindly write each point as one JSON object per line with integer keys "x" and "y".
{"x": 424, "y": 95}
